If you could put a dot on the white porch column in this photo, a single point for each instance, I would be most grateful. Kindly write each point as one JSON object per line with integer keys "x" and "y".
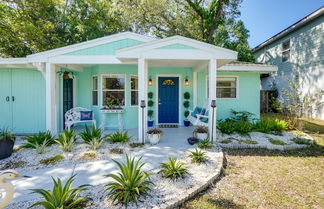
{"x": 51, "y": 116}
{"x": 212, "y": 96}
{"x": 142, "y": 95}
{"x": 194, "y": 85}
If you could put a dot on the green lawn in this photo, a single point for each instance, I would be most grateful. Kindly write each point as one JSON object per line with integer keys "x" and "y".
{"x": 259, "y": 178}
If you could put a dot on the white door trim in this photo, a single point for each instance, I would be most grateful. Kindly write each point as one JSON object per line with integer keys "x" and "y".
{"x": 157, "y": 95}
{"x": 61, "y": 96}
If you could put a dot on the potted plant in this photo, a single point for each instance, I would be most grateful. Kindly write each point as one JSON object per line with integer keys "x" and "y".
{"x": 154, "y": 135}
{"x": 150, "y": 104}
{"x": 201, "y": 132}
{"x": 7, "y": 141}
{"x": 186, "y": 105}
{"x": 192, "y": 140}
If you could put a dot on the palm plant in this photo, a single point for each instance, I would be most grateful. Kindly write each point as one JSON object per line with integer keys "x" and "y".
{"x": 92, "y": 137}
{"x": 38, "y": 141}
{"x": 197, "y": 156}
{"x": 173, "y": 169}
{"x": 118, "y": 137}
{"x": 204, "y": 144}
{"x": 130, "y": 183}
{"x": 66, "y": 140}
{"x": 61, "y": 196}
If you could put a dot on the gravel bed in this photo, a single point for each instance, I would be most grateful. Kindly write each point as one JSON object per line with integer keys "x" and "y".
{"x": 28, "y": 159}
{"x": 164, "y": 192}
{"x": 263, "y": 140}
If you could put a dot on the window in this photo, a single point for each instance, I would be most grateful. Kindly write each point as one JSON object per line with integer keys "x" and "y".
{"x": 113, "y": 90}
{"x": 226, "y": 87}
{"x": 285, "y": 51}
{"x": 134, "y": 90}
{"x": 95, "y": 90}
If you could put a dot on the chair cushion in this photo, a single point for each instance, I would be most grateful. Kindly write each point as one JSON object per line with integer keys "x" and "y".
{"x": 203, "y": 111}
{"x": 196, "y": 111}
{"x": 85, "y": 115}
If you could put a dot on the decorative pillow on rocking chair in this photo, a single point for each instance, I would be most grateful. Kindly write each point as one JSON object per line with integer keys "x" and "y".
{"x": 86, "y": 115}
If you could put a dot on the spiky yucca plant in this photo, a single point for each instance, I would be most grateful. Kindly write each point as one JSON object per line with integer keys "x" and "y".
{"x": 38, "y": 141}
{"x": 121, "y": 137}
{"x": 130, "y": 183}
{"x": 173, "y": 169}
{"x": 66, "y": 140}
{"x": 197, "y": 156}
{"x": 92, "y": 137}
{"x": 61, "y": 196}
{"x": 204, "y": 144}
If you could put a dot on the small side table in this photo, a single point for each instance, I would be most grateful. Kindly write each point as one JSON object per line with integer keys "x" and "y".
{"x": 119, "y": 112}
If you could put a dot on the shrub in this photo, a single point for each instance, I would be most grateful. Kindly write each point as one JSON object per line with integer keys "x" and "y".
{"x": 226, "y": 127}
{"x": 118, "y": 137}
{"x": 173, "y": 169}
{"x": 204, "y": 144}
{"x": 201, "y": 129}
{"x": 155, "y": 131}
{"x": 298, "y": 140}
{"x": 197, "y": 156}
{"x": 242, "y": 116}
{"x": 243, "y": 127}
{"x": 38, "y": 141}
{"x": 248, "y": 141}
{"x": 270, "y": 125}
{"x": 52, "y": 160}
{"x": 130, "y": 183}
{"x": 66, "y": 140}
{"x": 276, "y": 142}
{"x": 61, "y": 196}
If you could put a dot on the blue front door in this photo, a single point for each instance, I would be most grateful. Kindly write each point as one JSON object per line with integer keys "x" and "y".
{"x": 168, "y": 100}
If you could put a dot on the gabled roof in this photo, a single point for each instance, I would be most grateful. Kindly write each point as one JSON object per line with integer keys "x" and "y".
{"x": 92, "y": 43}
{"x": 293, "y": 27}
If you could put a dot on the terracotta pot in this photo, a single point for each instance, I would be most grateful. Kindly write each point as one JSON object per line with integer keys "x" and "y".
{"x": 154, "y": 138}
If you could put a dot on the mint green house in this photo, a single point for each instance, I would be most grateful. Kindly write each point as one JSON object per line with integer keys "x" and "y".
{"x": 118, "y": 72}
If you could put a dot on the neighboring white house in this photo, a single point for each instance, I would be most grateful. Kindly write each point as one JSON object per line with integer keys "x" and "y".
{"x": 297, "y": 49}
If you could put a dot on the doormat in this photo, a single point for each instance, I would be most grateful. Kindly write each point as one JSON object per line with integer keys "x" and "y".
{"x": 168, "y": 126}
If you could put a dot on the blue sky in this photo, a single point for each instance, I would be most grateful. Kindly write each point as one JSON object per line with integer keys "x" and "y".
{"x": 265, "y": 18}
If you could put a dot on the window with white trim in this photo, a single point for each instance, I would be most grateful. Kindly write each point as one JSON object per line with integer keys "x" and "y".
{"x": 134, "y": 90}
{"x": 285, "y": 53}
{"x": 113, "y": 90}
{"x": 95, "y": 90}
{"x": 226, "y": 87}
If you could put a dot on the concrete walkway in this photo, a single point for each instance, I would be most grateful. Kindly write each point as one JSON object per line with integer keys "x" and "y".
{"x": 172, "y": 143}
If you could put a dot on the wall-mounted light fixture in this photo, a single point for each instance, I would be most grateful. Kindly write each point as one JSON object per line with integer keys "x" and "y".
{"x": 66, "y": 75}
{"x": 187, "y": 81}
{"x": 150, "y": 81}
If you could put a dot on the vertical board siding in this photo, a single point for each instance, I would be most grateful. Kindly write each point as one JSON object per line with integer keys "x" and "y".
{"x": 106, "y": 49}
{"x": 5, "y": 106}
{"x": 176, "y": 46}
{"x": 28, "y": 89}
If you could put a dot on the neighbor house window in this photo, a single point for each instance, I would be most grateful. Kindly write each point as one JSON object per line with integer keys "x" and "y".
{"x": 285, "y": 51}
{"x": 134, "y": 90}
{"x": 113, "y": 90}
{"x": 95, "y": 90}
{"x": 226, "y": 87}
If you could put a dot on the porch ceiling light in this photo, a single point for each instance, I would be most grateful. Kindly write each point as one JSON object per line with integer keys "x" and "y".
{"x": 150, "y": 81}
{"x": 187, "y": 81}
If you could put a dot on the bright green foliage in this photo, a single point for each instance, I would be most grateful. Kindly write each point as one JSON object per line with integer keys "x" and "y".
{"x": 270, "y": 125}
{"x": 245, "y": 116}
{"x": 66, "y": 140}
{"x": 248, "y": 141}
{"x": 197, "y": 156}
{"x": 42, "y": 139}
{"x": 61, "y": 196}
{"x": 204, "y": 144}
{"x": 88, "y": 136}
{"x": 276, "y": 142}
{"x": 52, "y": 160}
{"x": 130, "y": 183}
{"x": 173, "y": 169}
{"x": 243, "y": 127}
{"x": 118, "y": 137}
{"x": 226, "y": 127}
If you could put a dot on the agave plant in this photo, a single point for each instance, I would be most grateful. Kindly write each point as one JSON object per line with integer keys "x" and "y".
{"x": 61, "y": 196}
{"x": 197, "y": 156}
{"x": 205, "y": 144}
{"x": 92, "y": 137}
{"x": 121, "y": 137}
{"x": 38, "y": 141}
{"x": 130, "y": 183}
{"x": 173, "y": 169}
{"x": 66, "y": 140}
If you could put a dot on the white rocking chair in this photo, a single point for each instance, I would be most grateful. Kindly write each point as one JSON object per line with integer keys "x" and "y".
{"x": 198, "y": 118}
{"x": 73, "y": 116}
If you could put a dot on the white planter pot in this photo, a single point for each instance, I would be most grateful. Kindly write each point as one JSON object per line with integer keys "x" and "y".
{"x": 202, "y": 136}
{"x": 154, "y": 138}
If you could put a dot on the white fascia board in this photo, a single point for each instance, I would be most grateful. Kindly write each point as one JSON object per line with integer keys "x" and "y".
{"x": 84, "y": 59}
{"x": 13, "y": 61}
{"x": 174, "y": 40}
{"x": 92, "y": 43}
{"x": 265, "y": 69}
